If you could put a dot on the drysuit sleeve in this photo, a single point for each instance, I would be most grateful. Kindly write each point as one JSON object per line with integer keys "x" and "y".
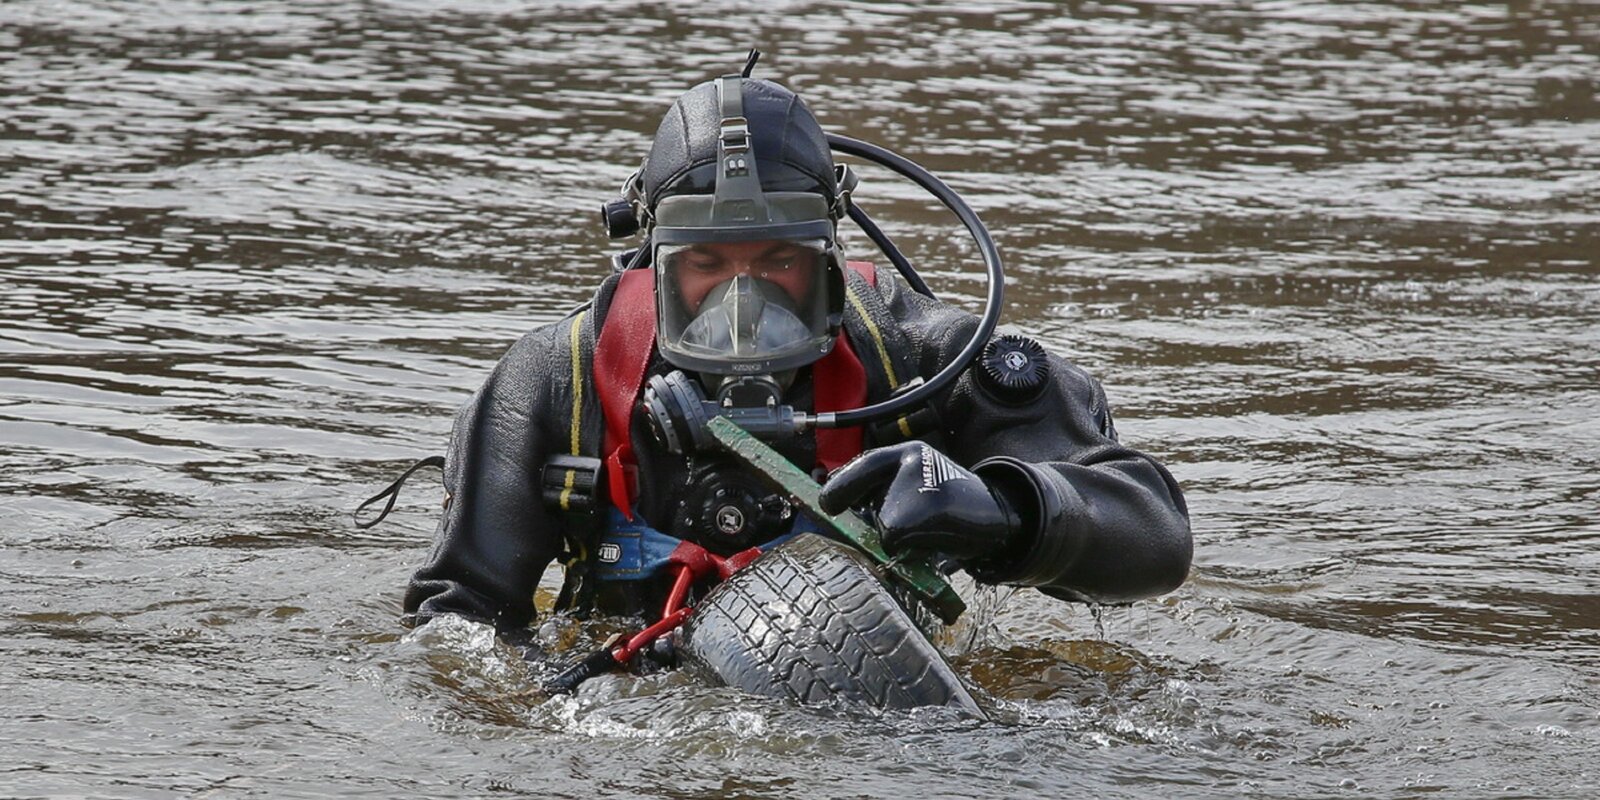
{"x": 495, "y": 537}
{"x": 1101, "y": 522}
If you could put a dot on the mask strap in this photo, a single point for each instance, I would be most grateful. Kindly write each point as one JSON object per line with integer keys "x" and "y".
{"x": 738, "y": 197}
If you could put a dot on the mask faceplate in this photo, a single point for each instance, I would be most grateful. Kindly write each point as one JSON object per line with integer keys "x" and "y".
{"x": 744, "y": 307}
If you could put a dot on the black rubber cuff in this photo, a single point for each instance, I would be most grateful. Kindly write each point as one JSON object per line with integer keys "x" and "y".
{"x": 1045, "y": 546}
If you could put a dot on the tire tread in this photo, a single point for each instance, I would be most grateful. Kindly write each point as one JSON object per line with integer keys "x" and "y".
{"x": 811, "y": 622}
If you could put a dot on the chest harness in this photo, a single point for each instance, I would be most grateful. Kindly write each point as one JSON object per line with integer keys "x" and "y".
{"x": 606, "y": 538}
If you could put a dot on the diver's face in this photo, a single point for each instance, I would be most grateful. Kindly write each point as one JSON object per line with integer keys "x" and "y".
{"x": 703, "y": 267}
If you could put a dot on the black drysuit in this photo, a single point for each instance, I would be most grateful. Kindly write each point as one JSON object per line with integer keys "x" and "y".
{"x": 1103, "y": 523}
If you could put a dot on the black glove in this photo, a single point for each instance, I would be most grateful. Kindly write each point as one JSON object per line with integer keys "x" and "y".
{"x": 922, "y": 499}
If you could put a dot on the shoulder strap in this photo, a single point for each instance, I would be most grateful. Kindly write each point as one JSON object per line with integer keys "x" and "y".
{"x": 627, "y": 336}
{"x": 841, "y": 384}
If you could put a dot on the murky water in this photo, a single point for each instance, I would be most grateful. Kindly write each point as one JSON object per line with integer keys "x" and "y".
{"x": 1336, "y": 262}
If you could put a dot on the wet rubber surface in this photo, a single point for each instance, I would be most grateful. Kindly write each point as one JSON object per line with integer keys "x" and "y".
{"x": 1336, "y": 263}
{"x": 811, "y": 622}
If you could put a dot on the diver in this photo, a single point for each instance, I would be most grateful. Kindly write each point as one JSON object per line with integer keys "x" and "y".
{"x": 739, "y": 301}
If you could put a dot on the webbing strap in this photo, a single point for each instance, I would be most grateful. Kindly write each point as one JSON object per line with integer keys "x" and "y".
{"x": 392, "y": 492}
{"x": 575, "y": 356}
{"x": 621, "y": 356}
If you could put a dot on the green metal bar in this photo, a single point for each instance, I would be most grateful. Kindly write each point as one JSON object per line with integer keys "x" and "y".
{"x": 912, "y": 570}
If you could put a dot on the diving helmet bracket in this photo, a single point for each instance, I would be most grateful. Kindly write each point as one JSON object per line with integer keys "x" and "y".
{"x": 678, "y": 411}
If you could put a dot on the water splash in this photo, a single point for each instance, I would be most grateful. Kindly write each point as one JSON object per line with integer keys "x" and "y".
{"x": 977, "y": 628}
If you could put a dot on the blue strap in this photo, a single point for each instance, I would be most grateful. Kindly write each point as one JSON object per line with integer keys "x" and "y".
{"x": 631, "y": 550}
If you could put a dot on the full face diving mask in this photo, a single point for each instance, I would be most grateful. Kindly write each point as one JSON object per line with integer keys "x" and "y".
{"x": 745, "y": 307}
{"x": 748, "y": 281}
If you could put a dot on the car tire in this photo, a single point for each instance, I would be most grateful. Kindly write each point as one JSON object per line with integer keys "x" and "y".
{"x": 810, "y": 621}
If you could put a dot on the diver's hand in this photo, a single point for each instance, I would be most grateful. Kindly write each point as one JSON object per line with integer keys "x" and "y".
{"x": 924, "y": 500}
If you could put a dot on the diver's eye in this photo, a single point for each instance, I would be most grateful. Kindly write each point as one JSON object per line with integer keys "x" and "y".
{"x": 699, "y": 262}
{"x": 780, "y": 261}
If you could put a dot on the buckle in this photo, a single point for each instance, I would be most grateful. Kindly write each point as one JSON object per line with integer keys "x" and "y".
{"x": 735, "y": 135}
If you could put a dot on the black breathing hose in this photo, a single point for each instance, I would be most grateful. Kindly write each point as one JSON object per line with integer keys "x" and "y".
{"x": 858, "y": 215}
{"x": 993, "y": 302}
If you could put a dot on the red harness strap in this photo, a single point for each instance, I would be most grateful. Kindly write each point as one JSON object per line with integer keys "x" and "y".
{"x": 628, "y": 337}
{"x": 840, "y": 384}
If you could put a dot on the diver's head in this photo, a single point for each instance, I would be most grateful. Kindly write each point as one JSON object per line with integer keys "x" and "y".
{"x": 741, "y": 200}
